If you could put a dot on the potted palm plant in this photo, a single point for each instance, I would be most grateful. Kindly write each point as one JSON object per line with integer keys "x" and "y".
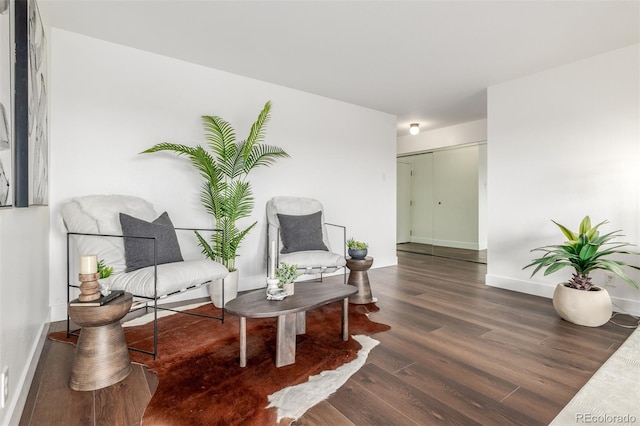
{"x": 579, "y": 300}
{"x": 226, "y": 192}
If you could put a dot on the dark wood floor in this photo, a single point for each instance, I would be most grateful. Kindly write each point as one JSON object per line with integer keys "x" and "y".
{"x": 459, "y": 352}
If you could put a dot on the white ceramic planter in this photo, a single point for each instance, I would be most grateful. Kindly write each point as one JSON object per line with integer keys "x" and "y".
{"x": 230, "y": 289}
{"x": 589, "y": 308}
{"x": 289, "y": 288}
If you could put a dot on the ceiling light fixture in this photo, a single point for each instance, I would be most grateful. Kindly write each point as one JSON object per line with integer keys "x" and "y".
{"x": 414, "y": 128}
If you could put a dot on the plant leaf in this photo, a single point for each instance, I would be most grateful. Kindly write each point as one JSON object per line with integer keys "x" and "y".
{"x": 585, "y": 225}
{"x": 571, "y": 236}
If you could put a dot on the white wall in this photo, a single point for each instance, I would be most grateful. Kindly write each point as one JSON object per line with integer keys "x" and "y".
{"x": 563, "y": 143}
{"x": 110, "y": 102}
{"x": 24, "y": 293}
{"x": 459, "y": 134}
{"x": 24, "y": 299}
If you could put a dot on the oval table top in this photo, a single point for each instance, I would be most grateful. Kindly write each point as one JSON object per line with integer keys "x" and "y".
{"x": 308, "y": 295}
{"x": 95, "y": 316}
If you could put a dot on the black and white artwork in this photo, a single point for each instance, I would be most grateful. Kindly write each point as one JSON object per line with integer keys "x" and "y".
{"x": 38, "y": 112}
{"x": 6, "y": 160}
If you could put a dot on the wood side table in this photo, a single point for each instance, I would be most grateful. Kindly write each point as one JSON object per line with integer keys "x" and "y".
{"x": 101, "y": 357}
{"x": 359, "y": 278}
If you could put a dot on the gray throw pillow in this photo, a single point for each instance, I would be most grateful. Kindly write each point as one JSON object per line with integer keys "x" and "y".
{"x": 138, "y": 252}
{"x": 301, "y": 233}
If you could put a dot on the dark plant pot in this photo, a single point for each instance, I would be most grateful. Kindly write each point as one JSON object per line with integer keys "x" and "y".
{"x": 358, "y": 253}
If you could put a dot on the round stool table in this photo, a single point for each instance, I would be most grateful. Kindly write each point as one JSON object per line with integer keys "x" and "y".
{"x": 101, "y": 357}
{"x": 359, "y": 278}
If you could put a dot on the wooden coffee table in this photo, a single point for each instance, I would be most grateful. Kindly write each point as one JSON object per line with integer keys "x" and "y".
{"x": 290, "y": 313}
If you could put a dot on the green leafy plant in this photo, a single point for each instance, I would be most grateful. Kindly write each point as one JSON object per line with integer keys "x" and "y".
{"x": 104, "y": 271}
{"x": 226, "y": 193}
{"x": 356, "y": 245}
{"x": 585, "y": 251}
{"x": 287, "y": 273}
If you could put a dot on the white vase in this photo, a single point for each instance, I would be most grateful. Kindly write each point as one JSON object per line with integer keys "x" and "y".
{"x": 105, "y": 286}
{"x": 589, "y": 308}
{"x": 230, "y": 283}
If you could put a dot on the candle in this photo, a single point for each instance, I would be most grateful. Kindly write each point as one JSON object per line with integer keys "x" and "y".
{"x": 88, "y": 264}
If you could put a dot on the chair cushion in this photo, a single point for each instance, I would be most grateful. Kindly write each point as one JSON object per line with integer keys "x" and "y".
{"x": 98, "y": 214}
{"x": 293, "y": 206}
{"x": 301, "y": 232}
{"x": 172, "y": 277}
{"x": 314, "y": 259}
{"x": 139, "y": 253}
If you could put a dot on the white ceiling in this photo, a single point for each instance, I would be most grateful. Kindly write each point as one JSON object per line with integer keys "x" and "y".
{"x": 425, "y": 61}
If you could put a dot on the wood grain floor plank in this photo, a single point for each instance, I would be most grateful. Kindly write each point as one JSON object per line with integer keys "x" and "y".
{"x": 416, "y": 403}
{"x": 464, "y": 374}
{"x": 536, "y": 373}
{"x": 361, "y": 407}
{"x": 323, "y": 414}
{"x": 544, "y": 407}
{"x": 56, "y": 403}
{"x": 463, "y": 399}
{"x": 123, "y": 403}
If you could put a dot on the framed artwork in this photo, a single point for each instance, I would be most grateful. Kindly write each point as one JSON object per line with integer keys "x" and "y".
{"x": 6, "y": 143}
{"x": 31, "y": 113}
{"x": 21, "y": 107}
{"x": 38, "y": 111}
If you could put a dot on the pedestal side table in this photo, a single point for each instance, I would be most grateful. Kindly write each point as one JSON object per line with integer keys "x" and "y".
{"x": 101, "y": 357}
{"x": 359, "y": 278}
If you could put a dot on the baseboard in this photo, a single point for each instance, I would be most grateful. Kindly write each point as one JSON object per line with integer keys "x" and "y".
{"x": 446, "y": 243}
{"x": 421, "y": 240}
{"x": 381, "y": 262}
{"x": 457, "y": 244}
{"x": 16, "y": 405}
{"x": 628, "y": 306}
{"x": 58, "y": 312}
{"x": 521, "y": 286}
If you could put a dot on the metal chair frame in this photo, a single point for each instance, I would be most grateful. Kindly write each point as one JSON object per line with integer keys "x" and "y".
{"x": 344, "y": 249}
{"x": 148, "y": 299}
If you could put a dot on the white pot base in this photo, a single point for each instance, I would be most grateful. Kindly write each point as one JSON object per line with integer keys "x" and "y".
{"x": 230, "y": 289}
{"x": 588, "y": 308}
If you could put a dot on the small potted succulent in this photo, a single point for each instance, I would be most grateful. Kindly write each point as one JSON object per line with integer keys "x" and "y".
{"x": 104, "y": 280}
{"x": 287, "y": 274}
{"x": 580, "y": 301}
{"x": 357, "y": 249}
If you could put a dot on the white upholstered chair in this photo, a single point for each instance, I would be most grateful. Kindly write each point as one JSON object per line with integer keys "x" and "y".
{"x": 298, "y": 228}
{"x": 147, "y": 263}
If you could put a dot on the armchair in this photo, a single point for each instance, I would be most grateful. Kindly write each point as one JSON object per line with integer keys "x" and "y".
{"x": 299, "y": 231}
{"x": 142, "y": 247}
